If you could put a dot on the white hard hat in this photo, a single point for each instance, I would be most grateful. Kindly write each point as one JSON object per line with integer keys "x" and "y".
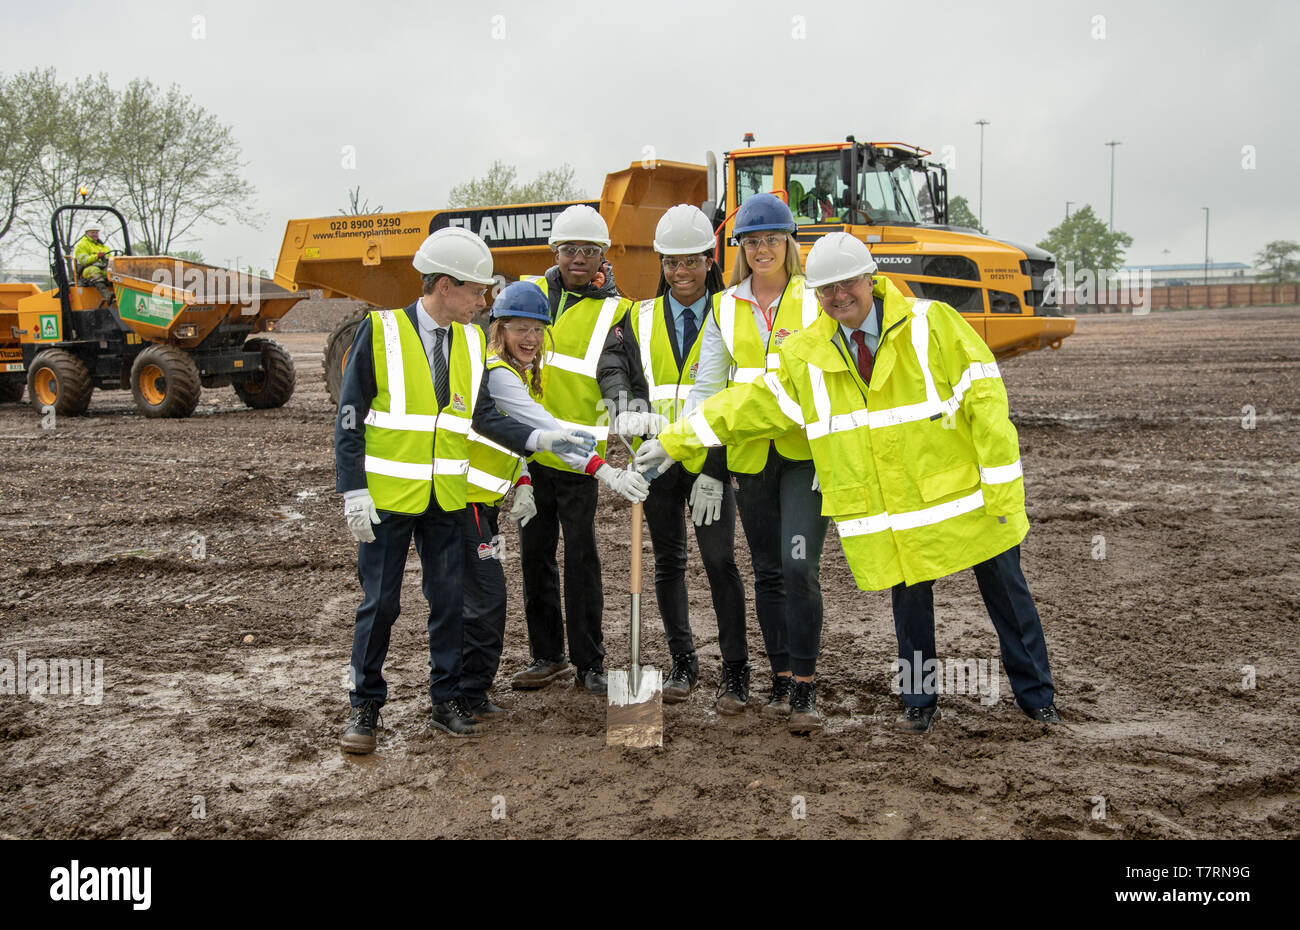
{"x": 457, "y": 252}
{"x": 836, "y": 257}
{"x": 684, "y": 230}
{"x": 580, "y": 223}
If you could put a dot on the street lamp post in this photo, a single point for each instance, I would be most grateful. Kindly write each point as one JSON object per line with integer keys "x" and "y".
{"x": 1112, "y": 183}
{"x": 1205, "y": 274}
{"x": 981, "y": 123}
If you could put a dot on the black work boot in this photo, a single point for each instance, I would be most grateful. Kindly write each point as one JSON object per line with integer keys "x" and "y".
{"x": 540, "y": 674}
{"x": 733, "y": 691}
{"x": 483, "y": 710}
{"x": 919, "y": 719}
{"x": 454, "y": 717}
{"x": 778, "y": 705}
{"x": 359, "y": 737}
{"x": 591, "y": 680}
{"x": 683, "y": 678}
{"x": 803, "y": 708}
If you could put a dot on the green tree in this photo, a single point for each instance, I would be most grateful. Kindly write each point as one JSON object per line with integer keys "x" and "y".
{"x": 960, "y": 214}
{"x": 498, "y": 186}
{"x": 1277, "y": 258}
{"x": 174, "y": 164}
{"x": 356, "y": 207}
{"x": 1083, "y": 239}
{"x": 188, "y": 255}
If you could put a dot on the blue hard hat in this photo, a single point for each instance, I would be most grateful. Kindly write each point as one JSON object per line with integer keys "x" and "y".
{"x": 763, "y": 211}
{"x": 523, "y": 298}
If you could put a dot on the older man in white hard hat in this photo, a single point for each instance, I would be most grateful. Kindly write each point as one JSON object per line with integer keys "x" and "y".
{"x": 906, "y": 414}
{"x": 584, "y": 305}
{"x": 413, "y": 386}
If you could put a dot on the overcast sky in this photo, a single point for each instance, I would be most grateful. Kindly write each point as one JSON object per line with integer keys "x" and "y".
{"x": 429, "y": 95}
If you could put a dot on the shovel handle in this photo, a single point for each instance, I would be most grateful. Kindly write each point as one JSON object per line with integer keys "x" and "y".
{"x": 637, "y": 513}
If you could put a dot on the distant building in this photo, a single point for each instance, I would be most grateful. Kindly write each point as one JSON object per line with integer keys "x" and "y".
{"x": 20, "y": 276}
{"x": 1217, "y": 272}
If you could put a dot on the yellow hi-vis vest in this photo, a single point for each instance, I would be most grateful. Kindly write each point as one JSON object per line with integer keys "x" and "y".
{"x": 921, "y": 471}
{"x": 751, "y": 359}
{"x": 412, "y": 447}
{"x": 570, "y": 391}
{"x": 492, "y": 468}
{"x": 668, "y": 385}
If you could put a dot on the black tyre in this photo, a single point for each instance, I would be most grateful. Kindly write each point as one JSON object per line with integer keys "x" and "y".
{"x": 60, "y": 380}
{"x": 273, "y": 385}
{"x": 165, "y": 382}
{"x": 11, "y": 390}
{"x": 336, "y": 353}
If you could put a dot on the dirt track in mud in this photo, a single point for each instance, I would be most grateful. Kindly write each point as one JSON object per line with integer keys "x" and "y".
{"x": 1133, "y": 431}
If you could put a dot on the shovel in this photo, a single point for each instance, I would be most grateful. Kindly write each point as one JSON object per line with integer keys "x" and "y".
{"x": 635, "y": 714}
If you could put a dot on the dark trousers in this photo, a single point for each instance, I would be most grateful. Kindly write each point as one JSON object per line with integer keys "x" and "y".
{"x": 484, "y": 601}
{"x": 1011, "y": 608}
{"x": 565, "y": 501}
{"x": 380, "y": 565}
{"x": 781, "y": 514}
{"x": 666, "y": 515}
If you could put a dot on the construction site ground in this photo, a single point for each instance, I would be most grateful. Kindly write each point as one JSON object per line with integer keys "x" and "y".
{"x": 205, "y": 561}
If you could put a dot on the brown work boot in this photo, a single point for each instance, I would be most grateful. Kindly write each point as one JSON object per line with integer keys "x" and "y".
{"x": 803, "y": 708}
{"x": 359, "y": 737}
{"x": 540, "y": 674}
{"x": 733, "y": 691}
{"x": 778, "y": 705}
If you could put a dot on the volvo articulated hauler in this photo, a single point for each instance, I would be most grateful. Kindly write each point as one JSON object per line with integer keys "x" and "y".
{"x": 884, "y": 193}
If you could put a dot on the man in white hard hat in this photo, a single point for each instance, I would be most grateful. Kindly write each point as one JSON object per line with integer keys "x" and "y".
{"x": 584, "y": 305}
{"x": 919, "y": 464}
{"x": 90, "y": 255}
{"x": 646, "y": 372}
{"x": 413, "y": 386}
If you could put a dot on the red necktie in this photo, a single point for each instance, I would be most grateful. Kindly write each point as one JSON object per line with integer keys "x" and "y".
{"x": 865, "y": 362}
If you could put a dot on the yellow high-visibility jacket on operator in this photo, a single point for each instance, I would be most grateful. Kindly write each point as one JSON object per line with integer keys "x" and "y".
{"x": 921, "y": 472}
{"x": 570, "y": 391}
{"x": 85, "y": 256}
{"x": 751, "y": 360}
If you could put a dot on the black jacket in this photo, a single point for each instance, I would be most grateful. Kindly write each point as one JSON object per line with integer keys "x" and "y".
{"x": 359, "y": 390}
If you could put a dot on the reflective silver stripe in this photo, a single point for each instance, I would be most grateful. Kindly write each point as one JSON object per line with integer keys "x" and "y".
{"x": 450, "y": 466}
{"x": 453, "y": 424}
{"x": 1001, "y": 474}
{"x": 703, "y": 430}
{"x": 727, "y": 321}
{"x": 911, "y": 520}
{"x": 810, "y": 306}
{"x": 746, "y": 375}
{"x": 586, "y": 366}
{"x": 393, "y": 362}
{"x": 475, "y": 347}
{"x": 412, "y": 471}
{"x": 975, "y": 372}
{"x": 416, "y": 422}
{"x": 921, "y": 346}
{"x": 600, "y": 432}
{"x": 475, "y": 436}
{"x": 663, "y": 392}
{"x": 645, "y": 332}
{"x": 773, "y": 361}
{"x": 821, "y": 404}
{"x": 488, "y": 482}
{"x": 789, "y": 406}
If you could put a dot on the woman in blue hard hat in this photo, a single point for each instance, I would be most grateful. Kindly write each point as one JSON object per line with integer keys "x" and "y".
{"x": 516, "y": 340}
{"x": 652, "y": 356}
{"x": 779, "y": 504}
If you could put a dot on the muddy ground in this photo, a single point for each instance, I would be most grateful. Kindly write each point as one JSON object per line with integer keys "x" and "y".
{"x": 224, "y": 686}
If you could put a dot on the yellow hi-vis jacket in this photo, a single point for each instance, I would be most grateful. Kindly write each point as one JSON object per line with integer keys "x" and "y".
{"x": 751, "y": 360}
{"x": 492, "y": 468}
{"x": 921, "y": 472}
{"x": 668, "y": 384}
{"x": 570, "y": 391}
{"x": 85, "y": 255}
{"x": 412, "y": 447}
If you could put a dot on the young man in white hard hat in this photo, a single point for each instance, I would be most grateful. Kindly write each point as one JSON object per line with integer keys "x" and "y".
{"x": 584, "y": 304}
{"x": 413, "y": 386}
{"x": 90, "y": 256}
{"x": 919, "y": 464}
{"x": 646, "y": 372}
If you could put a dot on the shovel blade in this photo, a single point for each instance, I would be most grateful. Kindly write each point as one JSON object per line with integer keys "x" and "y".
{"x": 635, "y": 720}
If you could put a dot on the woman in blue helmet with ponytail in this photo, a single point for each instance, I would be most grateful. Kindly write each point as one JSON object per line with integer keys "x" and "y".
{"x": 516, "y": 340}
{"x": 776, "y": 485}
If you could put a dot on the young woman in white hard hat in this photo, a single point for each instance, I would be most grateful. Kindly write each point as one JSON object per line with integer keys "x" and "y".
{"x": 652, "y": 357}
{"x": 779, "y": 504}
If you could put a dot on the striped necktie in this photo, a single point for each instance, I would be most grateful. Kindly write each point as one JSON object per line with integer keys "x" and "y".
{"x": 441, "y": 383}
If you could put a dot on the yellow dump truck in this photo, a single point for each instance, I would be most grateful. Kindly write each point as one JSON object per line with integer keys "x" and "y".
{"x": 886, "y": 194}
{"x": 172, "y": 328}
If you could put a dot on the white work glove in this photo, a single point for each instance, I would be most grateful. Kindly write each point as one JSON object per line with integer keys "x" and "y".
{"x": 565, "y": 441}
{"x": 632, "y": 423}
{"x": 359, "y": 510}
{"x": 525, "y": 507}
{"x": 652, "y": 459}
{"x": 627, "y": 484}
{"x": 706, "y": 500}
